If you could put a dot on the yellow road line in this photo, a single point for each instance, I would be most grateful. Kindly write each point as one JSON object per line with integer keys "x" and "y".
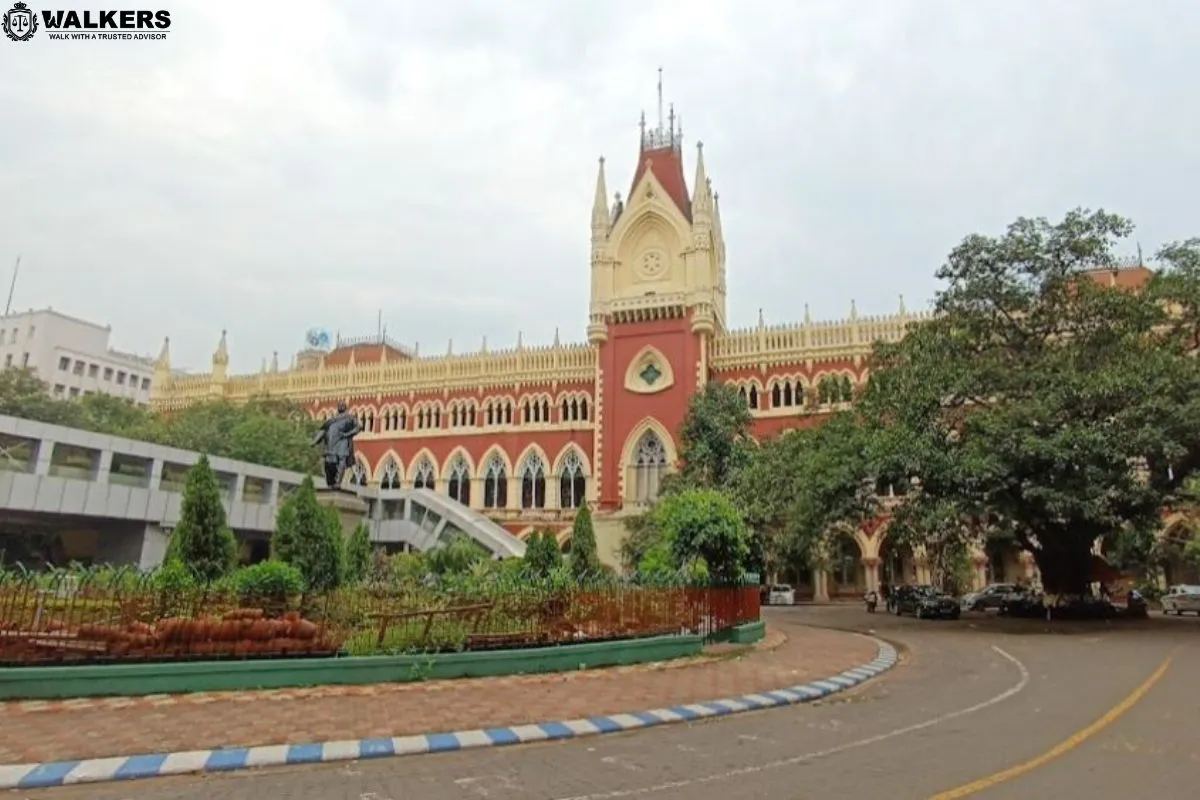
{"x": 1111, "y": 716}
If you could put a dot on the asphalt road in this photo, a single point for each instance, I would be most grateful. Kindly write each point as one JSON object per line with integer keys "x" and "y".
{"x": 969, "y": 700}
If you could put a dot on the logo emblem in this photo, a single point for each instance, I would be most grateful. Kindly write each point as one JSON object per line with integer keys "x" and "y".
{"x": 20, "y": 22}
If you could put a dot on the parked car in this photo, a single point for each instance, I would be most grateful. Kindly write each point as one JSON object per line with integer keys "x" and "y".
{"x": 989, "y": 597}
{"x": 1180, "y": 599}
{"x": 781, "y": 595}
{"x": 925, "y": 602}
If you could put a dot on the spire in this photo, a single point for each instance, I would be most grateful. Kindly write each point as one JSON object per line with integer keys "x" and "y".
{"x": 450, "y": 347}
{"x": 164, "y": 356}
{"x": 600, "y": 212}
{"x": 483, "y": 347}
{"x": 665, "y": 135}
{"x": 275, "y": 361}
{"x": 853, "y": 310}
{"x": 761, "y": 321}
{"x": 701, "y": 189}
{"x": 903, "y": 311}
{"x": 221, "y": 356}
{"x": 520, "y": 341}
{"x": 807, "y": 316}
{"x": 556, "y": 337}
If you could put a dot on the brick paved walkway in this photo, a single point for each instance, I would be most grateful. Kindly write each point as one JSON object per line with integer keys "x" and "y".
{"x": 36, "y": 732}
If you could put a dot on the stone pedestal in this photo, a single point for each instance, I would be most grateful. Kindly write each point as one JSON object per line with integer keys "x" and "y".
{"x": 351, "y": 508}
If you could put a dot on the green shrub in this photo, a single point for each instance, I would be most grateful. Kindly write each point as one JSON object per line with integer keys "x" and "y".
{"x": 309, "y": 537}
{"x": 202, "y": 540}
{"x": 270, "y": 585}
{"x": 584, "y": 559}
{"x": 358, "y": 554}
{"x": 174, "y": 586}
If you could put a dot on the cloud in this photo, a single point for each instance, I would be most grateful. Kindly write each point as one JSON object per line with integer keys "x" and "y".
{"x": 275, "y": 166}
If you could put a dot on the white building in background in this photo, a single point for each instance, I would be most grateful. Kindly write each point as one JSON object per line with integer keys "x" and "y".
{"x": 73, "y": 356}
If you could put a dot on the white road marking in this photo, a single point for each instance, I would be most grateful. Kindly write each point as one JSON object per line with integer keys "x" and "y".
{"x": 1019, "y": 686}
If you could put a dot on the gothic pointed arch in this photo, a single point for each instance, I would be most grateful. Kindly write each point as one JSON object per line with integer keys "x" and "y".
{"x": 532, "y": 450}
{"x": 569, "y": 448}
{"x": 495, "y": 474}
{"x": 648, "y": 455}
{"x": 390, "y": 473}
{"x": 458, "y": 471}
{"x": 359, "y": 473}
{"x": 456, "y": 456}
{"x": 532, "y": 470}
{"x": 649, "y": 372}
{"x": 389, "y": 458}
{"x": 422, "y": 470}
{"x": 572, "y": 474}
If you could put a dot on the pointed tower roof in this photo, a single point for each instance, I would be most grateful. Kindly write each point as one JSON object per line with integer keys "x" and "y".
{"x": 701, "y": 189}
{"x": 600, "y": 212}
{"x": 164, "y": 355}
{"x": 221, "y": 356}
{"x": 661, "y": 153}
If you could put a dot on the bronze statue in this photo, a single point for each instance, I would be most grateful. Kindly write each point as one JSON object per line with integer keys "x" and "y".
{"x": 337, "y": 433}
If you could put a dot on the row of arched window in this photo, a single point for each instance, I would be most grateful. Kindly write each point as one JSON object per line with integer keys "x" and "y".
{"x": 467, "y": 414}
{"x": 791, "y": 392}
{"x": 533, "y": 474}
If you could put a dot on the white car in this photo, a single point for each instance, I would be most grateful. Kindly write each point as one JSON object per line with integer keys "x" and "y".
{"x": 1180, "y": 599}
{"x": 781, "y": 595}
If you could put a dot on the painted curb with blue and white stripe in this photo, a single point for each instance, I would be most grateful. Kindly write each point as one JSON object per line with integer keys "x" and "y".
{"x": 154, "y": 765}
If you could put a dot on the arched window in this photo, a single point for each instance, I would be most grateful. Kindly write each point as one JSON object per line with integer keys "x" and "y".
{"x": 572, "y": 485}
{"x": 533, "y": 483}
{"x": 391, "y": 475}
{"x": 508, "y": 411}
{"x": 495, "y": 483}
{"x": 357, "y": 475}
{"x": 583, "y": 409}
{"x": 752, "y": 399}
{"x": 776, "y": 396}
{"x": 650, "y": 464}
{"x": 459, "y": 485}
{"x": 424, "y": 477}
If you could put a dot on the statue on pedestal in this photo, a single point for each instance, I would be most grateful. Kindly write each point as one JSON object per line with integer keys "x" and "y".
{"x": 337, "y": 434}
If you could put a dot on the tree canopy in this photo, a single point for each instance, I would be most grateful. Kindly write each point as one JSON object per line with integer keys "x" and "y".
{"x": 267, "y": 431}
{"x": 1027, "y": 405}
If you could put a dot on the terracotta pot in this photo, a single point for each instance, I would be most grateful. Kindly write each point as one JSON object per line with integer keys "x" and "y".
{"x": 304, "y": 629}
{"x": 260, "y": 630}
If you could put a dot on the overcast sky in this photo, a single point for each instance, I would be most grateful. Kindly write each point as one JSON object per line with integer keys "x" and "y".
{"x": 275, "y": 166}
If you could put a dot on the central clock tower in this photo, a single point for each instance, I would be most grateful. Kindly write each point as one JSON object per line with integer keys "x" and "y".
{"x": 657, "y": 299}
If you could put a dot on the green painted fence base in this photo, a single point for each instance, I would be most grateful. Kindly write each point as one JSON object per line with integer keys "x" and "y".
{"x": 132, "y": 680}
{"x": 749, "y": 633}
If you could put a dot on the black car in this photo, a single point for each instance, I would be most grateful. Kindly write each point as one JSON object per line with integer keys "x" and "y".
{"x": 924, "y": 602}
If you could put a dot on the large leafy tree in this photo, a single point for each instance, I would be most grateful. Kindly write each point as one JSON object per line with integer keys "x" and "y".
{"x": 1027, "y": 405}
{"x": 703, "y": 525}
{"x": 801, "y": 486}
{"x": 714, "y": 440}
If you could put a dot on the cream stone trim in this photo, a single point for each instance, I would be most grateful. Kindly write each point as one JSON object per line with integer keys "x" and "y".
{"x": 631, "y": 442}
{"x": 452, "y": 456}
{"x": 537, "y": 450}
{"x": 377, "y": 476}
{"x": 486, "y": 458}
{"x": 598, "y": 434}
{"x": 487, "y": 430}
{"x": 646, "y": 356}
{"x": 866, "y": 547}
{"x": 415, "y": 463}
{"x": 556, "y": 465}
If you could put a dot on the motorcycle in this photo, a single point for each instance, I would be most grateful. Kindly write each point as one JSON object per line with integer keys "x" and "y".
{"x": 872, "y": 600}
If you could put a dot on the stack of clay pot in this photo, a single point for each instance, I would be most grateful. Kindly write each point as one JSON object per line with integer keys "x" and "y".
{"x": 241, "y": 632}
